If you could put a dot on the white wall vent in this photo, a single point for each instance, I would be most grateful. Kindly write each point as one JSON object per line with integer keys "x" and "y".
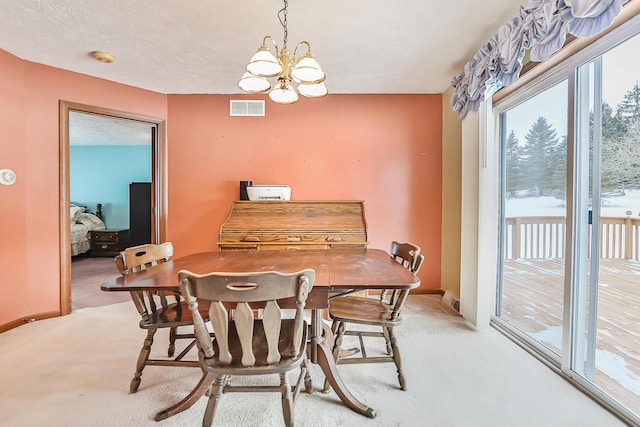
{"x": 246, "y": 108}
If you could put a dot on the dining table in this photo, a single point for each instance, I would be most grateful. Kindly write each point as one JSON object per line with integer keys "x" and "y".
{"x": 337, "y": 271}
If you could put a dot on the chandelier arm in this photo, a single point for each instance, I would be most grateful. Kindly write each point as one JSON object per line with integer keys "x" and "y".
{"x": 275, "y": 45}
{"x": 295, "y": 56}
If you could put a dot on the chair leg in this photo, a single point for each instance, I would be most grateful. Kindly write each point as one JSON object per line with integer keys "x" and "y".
{"x": 334, "y": 327}
{"x": 388, "y": 340}
{"x": 172, "y": 341}
{"x": 142, "y": 360}
{"x": 308, "y": 387}
{"x": 338, "y": 341}
{"x": 328, "y": 333}
{"x": 397, "y": 359}
{"x": 287, "y": 400}
{"x": 215, "y": 393}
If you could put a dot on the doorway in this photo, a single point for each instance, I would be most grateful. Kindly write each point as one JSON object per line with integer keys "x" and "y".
{"x": 158, "y": 187}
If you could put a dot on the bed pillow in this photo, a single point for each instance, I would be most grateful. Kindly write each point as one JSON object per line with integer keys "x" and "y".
{"x": 91, "y": 221}
{"x": 75, "y": 212}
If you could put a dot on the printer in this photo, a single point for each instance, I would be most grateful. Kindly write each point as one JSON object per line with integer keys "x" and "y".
{"x": 269, "y": 192}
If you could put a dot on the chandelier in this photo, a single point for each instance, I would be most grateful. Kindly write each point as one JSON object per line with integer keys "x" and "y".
{"x": 303, "y": 70}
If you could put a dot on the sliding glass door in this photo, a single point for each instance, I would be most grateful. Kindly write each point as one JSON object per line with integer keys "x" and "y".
{"x": 606, "y": 298}
{"x": 568, "y": 285}
{"x": 534, "y": 206}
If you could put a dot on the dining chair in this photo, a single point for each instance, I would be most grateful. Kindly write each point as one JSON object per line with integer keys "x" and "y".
{"x": 244, "y": 345}
{"x": 156, "y": 310}
{"x": 383, "y": 311}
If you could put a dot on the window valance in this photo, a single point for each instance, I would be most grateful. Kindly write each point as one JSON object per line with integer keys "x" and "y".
{"x": 541, "y": 26}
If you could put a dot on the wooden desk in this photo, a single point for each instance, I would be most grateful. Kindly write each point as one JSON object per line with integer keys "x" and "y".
{"x": 278, "y": 225}
{"x": 335, "y": 271}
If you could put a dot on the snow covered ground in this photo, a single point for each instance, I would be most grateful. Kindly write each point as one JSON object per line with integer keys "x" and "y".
{"x": 549, "y": 206}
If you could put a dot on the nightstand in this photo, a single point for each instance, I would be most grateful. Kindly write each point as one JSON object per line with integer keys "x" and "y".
{"x": 108, "y": 242}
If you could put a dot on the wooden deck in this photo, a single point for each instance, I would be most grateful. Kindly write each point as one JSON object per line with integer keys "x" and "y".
{"x": 533, "y": 298}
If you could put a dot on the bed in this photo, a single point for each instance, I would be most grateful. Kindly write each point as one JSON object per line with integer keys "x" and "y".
{"x": 82, "y": 222}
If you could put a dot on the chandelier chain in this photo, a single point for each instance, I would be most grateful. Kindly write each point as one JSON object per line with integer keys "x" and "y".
{"x": 282, "y": 16}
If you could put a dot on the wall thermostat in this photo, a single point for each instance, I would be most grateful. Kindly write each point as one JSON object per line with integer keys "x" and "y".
{"x": 7, "y": 177}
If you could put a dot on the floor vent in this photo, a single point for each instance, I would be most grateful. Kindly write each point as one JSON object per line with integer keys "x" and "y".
{"x": 246, "y": 108}
{"x": 451, "y": 300}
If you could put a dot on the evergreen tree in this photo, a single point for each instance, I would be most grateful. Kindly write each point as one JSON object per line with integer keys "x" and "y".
{"x": 629, "y": 108}
{"x": 613, "y": 127}
{"x": 612, "y": 130}
{"x": 513, "y": 167}
{"x": 539, "y": 152}
{"x": 558, "y": 168}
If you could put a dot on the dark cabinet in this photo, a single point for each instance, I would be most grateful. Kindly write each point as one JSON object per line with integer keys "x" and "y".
{"x": 139, "y": 213}
{"x": 108, "y": 242}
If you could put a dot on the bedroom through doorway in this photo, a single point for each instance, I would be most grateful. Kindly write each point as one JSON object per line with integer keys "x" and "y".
{"x": 103, "y": 154}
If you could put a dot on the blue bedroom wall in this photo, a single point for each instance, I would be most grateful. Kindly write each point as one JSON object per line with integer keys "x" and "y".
{"x": 101, "y": 174}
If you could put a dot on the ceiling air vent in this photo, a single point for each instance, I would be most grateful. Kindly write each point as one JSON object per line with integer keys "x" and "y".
{"x": 246, "y": 108}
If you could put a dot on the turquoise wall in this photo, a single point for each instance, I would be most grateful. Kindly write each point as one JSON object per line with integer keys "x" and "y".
{"x": 101, "y": 174}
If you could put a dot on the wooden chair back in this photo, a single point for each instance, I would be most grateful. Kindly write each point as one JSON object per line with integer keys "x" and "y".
{"x": 410, "y": 257}
{"x": 137, "y": 258}
{"x": 224, "y": 290}
{"x": 407, "y": 254}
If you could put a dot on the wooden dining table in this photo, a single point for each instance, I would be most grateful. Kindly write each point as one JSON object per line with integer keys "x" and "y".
{"x": 336, "y": 271}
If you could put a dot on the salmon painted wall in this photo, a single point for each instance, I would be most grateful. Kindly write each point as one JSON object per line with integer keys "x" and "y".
{"x": 13, "y": 199}
{"x": 29, "y": 226}
{"x": 383, "y": 149}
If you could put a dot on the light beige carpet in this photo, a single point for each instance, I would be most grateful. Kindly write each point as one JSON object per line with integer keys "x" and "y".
{"x": 75, "y": 371}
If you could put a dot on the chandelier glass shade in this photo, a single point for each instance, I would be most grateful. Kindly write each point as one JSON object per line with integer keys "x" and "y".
{"x": 303, "y": 70}
{"x": 254, "y": 84}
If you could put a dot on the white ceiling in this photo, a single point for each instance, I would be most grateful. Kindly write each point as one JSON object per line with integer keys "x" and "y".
{"x": 202, "y": 46}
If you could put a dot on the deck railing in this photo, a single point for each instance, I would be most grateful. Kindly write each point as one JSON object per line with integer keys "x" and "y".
{"x": 544, "y": 237}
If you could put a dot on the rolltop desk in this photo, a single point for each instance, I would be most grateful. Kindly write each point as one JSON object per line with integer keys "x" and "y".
{"x": 294, "y": 225}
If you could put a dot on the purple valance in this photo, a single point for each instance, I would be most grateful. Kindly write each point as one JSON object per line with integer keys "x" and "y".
{"x": 541, "y": 26}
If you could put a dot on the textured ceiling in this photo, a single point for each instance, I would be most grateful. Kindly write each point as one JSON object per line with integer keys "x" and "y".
{"x": 91, "y": 129}
{"x": 202, "y": 46}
